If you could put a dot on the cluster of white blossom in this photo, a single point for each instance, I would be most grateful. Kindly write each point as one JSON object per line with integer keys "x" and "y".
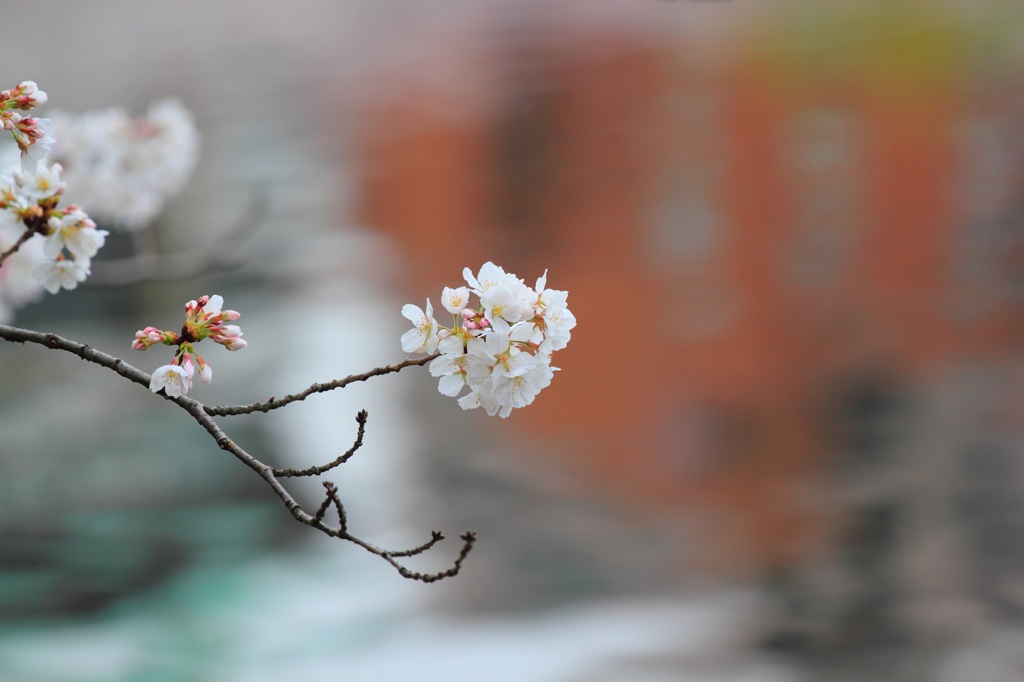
{"x": 204, "y": 319}
{"x": 42, "y": 244}
{"x": 501, "y": 348}
{"x": 29, "y": 208}
{"x": 126, "y": 169}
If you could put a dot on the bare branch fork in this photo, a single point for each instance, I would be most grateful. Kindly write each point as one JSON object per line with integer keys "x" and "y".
{"x": 203, "y": 415}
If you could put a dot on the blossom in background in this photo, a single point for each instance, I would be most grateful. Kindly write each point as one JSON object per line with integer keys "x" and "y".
{"x": 126, "y": 169}
{"x": 18, "y": 286}
{"x": 204, "y": 319}
{"x": 500, "y": 349}
{"x": 60, "y": 274}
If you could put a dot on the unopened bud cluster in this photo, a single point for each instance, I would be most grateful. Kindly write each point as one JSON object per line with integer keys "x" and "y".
{"x": 204, "y": 319}
{"x": 500, "y": 348}
{"x": 31, "y": 134}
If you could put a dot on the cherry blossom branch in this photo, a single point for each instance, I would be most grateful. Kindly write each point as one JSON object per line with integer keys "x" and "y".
{"x": 201, "y": 414}
{"x": 273, "y": 403}
{"x": 25, "y": 236}
{"x": 54, "y": 342}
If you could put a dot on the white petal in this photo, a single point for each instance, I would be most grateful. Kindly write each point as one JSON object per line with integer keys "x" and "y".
{"x": 412, "y": 313}
{"x": 412, "y": 341}
{"x": 451, "y": 385}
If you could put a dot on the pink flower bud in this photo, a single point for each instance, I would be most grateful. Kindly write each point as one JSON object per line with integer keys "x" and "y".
{"x": 28, "y": 95}
{"x": 144, "y": 338}
{"x": 236, "y": 344}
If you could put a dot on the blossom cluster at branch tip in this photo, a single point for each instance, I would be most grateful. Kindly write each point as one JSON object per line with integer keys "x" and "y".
{"x": 45, "y": 246}
{"x": 204, "y": 319}
{"x": 500, "y": 348}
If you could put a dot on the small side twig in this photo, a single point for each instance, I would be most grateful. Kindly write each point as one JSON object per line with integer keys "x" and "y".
{"x": 468, "y": 540}
{"x": 332, "y": 498}
{"x": 317, "y": 470}
{"x": 323, "y": 505}
{"x": 435, "y": 537}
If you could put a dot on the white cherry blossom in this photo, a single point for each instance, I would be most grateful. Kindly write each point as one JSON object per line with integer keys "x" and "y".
{"x": 521, "y": 390}
{"x": 173, "y": 379}
{"x": 452, "y": 371}
{"x": 490, "y": 276}
{"x": 66, "y": 274}
{"x": 41, "y": 184}
{"x": 422, "y": 338}
{"x": 455, "y": 300}
{"x": 75, "y": 232}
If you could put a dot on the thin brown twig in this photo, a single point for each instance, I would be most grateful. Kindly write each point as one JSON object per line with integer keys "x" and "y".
{"x": 323, "y": 508}
{"x": 435, "y": 537}
{"x": 201, "y": 414}
{"x": 317, "y": 470}
{"x": 273, "y": 403}
{"x": 332, "y": 497}
{"x": 25, "y": 236}
{"x": 468, "y": 539}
